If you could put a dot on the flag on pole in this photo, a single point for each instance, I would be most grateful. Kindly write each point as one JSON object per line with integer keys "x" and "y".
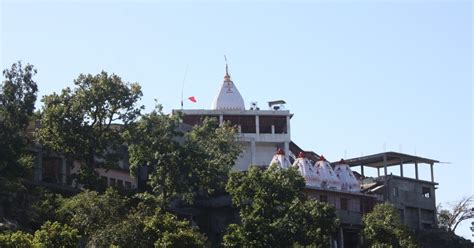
{"x": 192, "y": 99}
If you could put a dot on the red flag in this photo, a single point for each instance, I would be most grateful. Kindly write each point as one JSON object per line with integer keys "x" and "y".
{"x": 192, "y": 99}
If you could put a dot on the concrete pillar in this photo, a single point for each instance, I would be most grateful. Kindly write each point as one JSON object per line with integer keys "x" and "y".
{"x": 221, "y": 119}
{"x": 362, "y": 170}
{"x": 341, "y": 237}
{"x": 385, "y": 165}
{"x": 257, "y": 124}
{"x": 401, "y": 167}
{"x": 273, "y": 129}
{"x": 288, "y": 130}
{"x": 378, "y": 171}
{"x": 287, "y": 149}
{"x": 253, "y": 152}
{"x": 416, "y": 170}
{"x": 419, "y": 218}
{"x": 432, "y": 172}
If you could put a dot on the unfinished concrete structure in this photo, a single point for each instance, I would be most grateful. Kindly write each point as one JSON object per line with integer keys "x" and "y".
{"x": 414, "y": 198}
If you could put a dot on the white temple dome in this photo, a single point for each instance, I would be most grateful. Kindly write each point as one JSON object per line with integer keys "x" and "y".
{"x": 229, "y": 97}
{"x": 347, "y": 178}
{"x": 280, "y": 160}
{"x": 306, "y": 169}
{"x": 325, "y": 176}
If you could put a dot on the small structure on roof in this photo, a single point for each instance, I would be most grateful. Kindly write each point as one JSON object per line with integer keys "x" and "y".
{"x": 280, "y": 159}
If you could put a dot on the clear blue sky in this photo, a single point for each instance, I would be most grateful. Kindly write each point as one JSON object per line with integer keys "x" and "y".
{"x": 356, "y": 74}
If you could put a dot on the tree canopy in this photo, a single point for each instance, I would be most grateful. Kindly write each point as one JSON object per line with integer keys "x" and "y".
{"x": 274, "y": 211}
{"x": 383, "y": 228}
{"x": 182, "y": 165}
{"x": 79, "y": 122}
{"x": 17, "y": 103}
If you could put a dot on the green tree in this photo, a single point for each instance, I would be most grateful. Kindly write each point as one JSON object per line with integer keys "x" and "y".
{"x": 80, "y": 123}
{"x": 110, "y": 219}
{"x": 383, "y": 228}
{"x": 51, "y": 234}
{"x": 17, "y": 103}
{"x": 54, "y": 234}
{"x": 16, "y": 240}
{"x": 90, "y": 212}
{"x": 168, "y": 231}
{"x": 182, "y": 165}
{"x": 274, "y": 211}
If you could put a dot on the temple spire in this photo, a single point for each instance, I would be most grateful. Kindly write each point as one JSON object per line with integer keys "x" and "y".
{"x": 227, "y": 76}
{"x": 228, "y": 97}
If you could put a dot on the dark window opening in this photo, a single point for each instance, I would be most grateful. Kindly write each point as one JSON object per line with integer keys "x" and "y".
{"x": 246, "y": 123}
{"x": 426, "y": 192}
{"x": 395, "y": 191}
{"x": 323, "y": 198}
{"x": 278, "y": 123}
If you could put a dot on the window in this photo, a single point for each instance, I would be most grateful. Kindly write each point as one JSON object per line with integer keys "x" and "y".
{"x": 344, "y": 203}
{"x": 128, "y": 185}
{"x": 323, "y": 198}
{"x": 119, "y": 183}
{"x": 395, "y": 191}
{"x": 426, "y": 192}
{"x": 112, "y": 181}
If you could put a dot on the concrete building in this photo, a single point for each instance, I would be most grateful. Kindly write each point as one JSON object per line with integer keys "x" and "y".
{"x": 414, "y": 198}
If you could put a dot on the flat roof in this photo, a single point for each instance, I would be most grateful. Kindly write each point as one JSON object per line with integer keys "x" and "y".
{"x": 232, "y": 112}
{"x": 393, "y": 158}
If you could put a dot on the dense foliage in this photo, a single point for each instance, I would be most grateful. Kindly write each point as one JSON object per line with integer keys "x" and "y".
{"x": 79, "y": 122}
{"x": 383, "y": 228}
{"x": 51, "y": 234}
{"x": 17, "y": 103}
{"x": 274, "y": 211}
{"x": 182, "y": 165}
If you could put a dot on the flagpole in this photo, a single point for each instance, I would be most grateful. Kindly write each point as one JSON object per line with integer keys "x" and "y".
{"x": 182, "y": 88}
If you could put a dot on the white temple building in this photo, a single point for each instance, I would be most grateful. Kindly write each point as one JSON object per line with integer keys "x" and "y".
{"x": 261, "y": 132}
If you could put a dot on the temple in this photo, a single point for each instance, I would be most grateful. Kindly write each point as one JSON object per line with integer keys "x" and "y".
{"x": 266, "y": 139}
{"x": 265, "y": 136}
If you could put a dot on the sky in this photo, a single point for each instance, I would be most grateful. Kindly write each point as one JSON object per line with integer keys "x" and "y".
{"x": 361, "y": 77}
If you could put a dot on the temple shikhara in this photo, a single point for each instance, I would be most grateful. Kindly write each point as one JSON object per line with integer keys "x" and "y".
{"x": 353, "y": 186}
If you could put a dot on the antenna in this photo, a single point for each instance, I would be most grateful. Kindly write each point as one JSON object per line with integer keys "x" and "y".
{"x": 182, "y": 88}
